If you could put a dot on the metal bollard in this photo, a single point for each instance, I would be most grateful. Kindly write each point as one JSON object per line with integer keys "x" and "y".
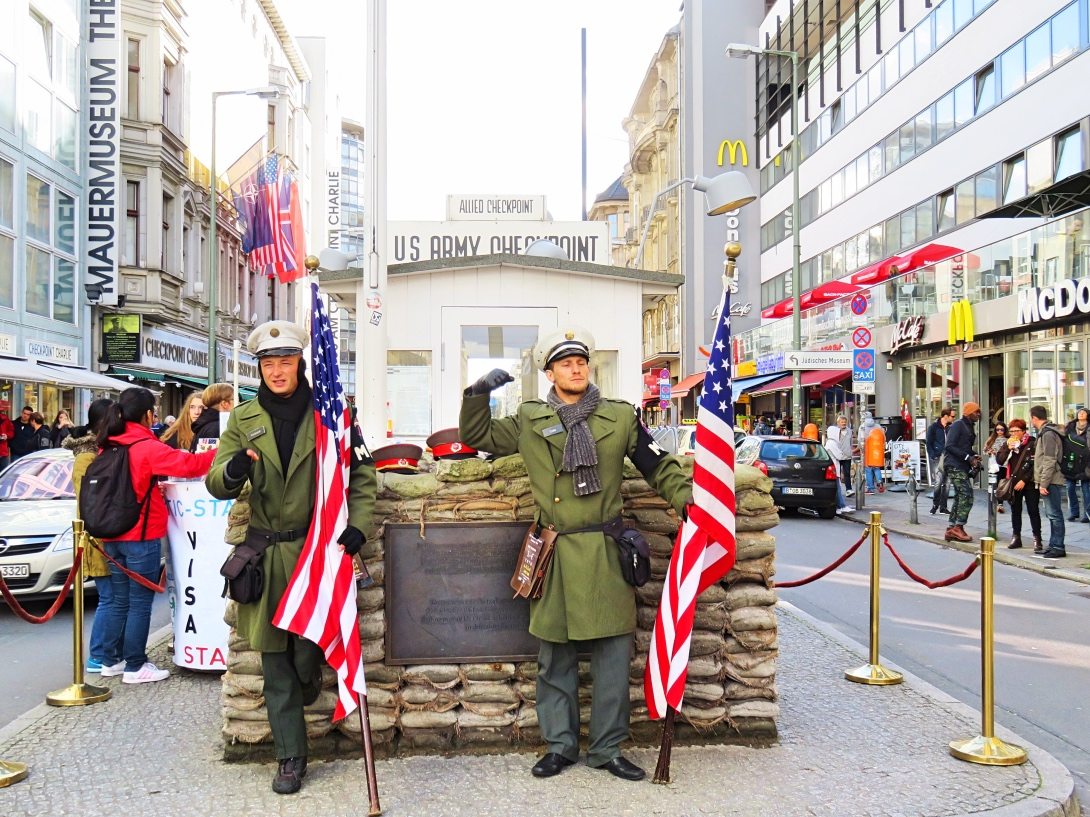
{"x": 874, "y": 673}
{"x": 985, "y": 748}
{"x": 860, "y": 484}
{"x": 913, "y": 491}
{"x": 78, "y": 693}
{"x": 992, "y": 520}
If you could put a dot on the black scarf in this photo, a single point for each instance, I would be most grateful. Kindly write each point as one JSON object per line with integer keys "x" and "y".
{"x": 287, "y": 413}
{"x": 580, "y": 450}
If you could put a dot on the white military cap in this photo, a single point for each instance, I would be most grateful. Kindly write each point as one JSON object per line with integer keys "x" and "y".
{"x": 277, "y": 338}
{"x": 564, "y": 342}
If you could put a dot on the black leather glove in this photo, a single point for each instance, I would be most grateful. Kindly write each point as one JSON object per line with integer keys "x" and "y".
{"x": 352, "y": 539}
{"x": 238, "y": 468}
{"x": 493, "y": 380}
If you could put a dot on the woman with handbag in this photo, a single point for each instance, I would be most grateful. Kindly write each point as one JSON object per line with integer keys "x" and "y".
{"x": 996, "y": 443}
{"x": 1018, "y": 486}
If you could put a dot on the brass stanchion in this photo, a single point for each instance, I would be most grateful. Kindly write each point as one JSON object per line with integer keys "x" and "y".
{"x": 11, "y": 772}
{"x": 985, "y": 748}
{"x": 874, "y": 673}
{"x": 78, "y": 693}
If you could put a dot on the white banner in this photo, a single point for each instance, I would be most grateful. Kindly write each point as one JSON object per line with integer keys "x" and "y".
{"x": 495, "y": 208}
{"x": 195, "y": 529}
{"x": 100, "y": 146}
{"x": 904, "y": 459}
{"x": 586, "y": 241}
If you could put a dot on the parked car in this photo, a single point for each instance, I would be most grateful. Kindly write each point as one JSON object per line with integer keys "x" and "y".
{"x": 803, "y": 474}
{"x": 37, "y": 505}
{"x": 681, "y": 440}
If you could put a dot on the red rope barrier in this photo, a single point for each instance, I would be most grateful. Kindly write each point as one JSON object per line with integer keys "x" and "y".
{"x": 917, "y": 578}
{"x": 52, "y": 611}
{"x": 136, "y": 577}
{"x": 825, "y": 571}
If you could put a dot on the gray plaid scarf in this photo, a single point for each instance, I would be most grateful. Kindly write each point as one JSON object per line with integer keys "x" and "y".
{"x": 580, "y": 452}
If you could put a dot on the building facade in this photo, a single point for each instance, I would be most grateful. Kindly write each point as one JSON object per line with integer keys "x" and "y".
{"x": 942, "y": 185}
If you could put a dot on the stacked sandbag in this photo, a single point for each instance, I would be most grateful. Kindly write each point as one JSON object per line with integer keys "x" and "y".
{"x": 481, "y": 707}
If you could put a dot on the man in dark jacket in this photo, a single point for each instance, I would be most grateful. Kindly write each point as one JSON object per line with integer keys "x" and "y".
{"x": 23, "y": 442}
{"x": 961, "y": 458}
{"x": 935, "y": 442}
{"x": 1050, "y": 480}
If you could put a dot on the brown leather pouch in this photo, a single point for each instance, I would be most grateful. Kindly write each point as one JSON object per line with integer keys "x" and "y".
{"x": 535, "y": 556}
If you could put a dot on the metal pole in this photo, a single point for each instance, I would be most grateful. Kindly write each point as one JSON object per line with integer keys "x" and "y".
{"x": 913, "y": 492}
{"x": 987, "y": 749}
{"x": 213, "y": 254}
{"x": 796, "y": 247}
{"x": 873, "y": 672}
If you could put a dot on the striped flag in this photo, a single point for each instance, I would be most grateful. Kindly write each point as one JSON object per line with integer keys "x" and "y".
{"x": 320, "y": 600}
{"x": 705, "y": 547}
{"x": 268, "y": 248}
{"x": 290, "y": 232}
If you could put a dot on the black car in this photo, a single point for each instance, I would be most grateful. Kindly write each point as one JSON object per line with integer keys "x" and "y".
{"x": 803, "y": 474}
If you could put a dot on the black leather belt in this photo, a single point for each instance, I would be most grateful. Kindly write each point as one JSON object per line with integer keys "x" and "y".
{"x": 274, "y": 536}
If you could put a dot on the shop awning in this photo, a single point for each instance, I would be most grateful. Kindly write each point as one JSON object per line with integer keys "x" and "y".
{"x": 816, "y": 378}
{"x": 745, "y": 384}
{"x": 70, "y": 375}
{"x": 136, "y": 374}
{"x": 186, "y": 380}
{"x": 1063, "y": 197}
{"x": 16, "y": 369}
{"x": 779, "y": 310}
{"x": 927, "y": 255}
{"x": 685, "y": 385}
{"x": 829, "y": 291}
{"x": 877, "y": 273}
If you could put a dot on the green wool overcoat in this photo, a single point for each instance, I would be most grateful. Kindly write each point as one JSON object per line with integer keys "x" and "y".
{"x": 280, "y": 502}
{"x": 585, "y": 595}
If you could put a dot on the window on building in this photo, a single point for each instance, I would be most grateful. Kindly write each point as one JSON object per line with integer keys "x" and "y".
{"x": 851, "y": 255}
{"x": 980, "y": 5}
{"x": 131, "y": 238}
{"x": 944, "y": 117}
{"x": 1014, "y": 178}
{"x": 1069, "y": 160}
{"x": 171, "y": 96}
{"x": 925, "y": 130}
{"x": 875, "y": 162}
{"x": 985, "y": 89}
{"x": 38, "y": 46}
{"x": 965, "y": 201}
{"x": 64, "y": 134}
{"x": 1065, "y": 33}
{"x": 891, "y": 68}
{"x": 7, "y": 234}
{"x": 945, "y": 207}
{"x": 908, "y": 141}
{"x": 851, "y": 181}
{"x": 49, "y": 279}
{"x": 1012, "y": 69}
{"x": 64, "y": 223}
{"x": 37, "y": 281}
{"x": 1038, "y": 52}
{"x": 37, "y": 209}
{"x": 270, "y": 121}
{"x": 614, "y": 226}
{"x": 987, "y": 190}
{"x": 908, "y": 227}
{"x": 1039, "y": 166}
{"x": 963, "y": 13}
{"x": 891, "y": 146}
{"x": 925, "y": 221}
{"x": 922, "y": 36}
{"x": 36, "y": 113}
{"x": 7, "y": 195}
{"x": 132, "y": 85}
{"x": 906, "y": 49}
{"x": 7, "y": 94}
{"x": 892, "y": 233}
{"x": 166, "y": 252}
{"x": 7, "y": 270}
{"x": 944, "y": 23}
{"x": 67, "y": 67}
{"x": 963, "y": 103}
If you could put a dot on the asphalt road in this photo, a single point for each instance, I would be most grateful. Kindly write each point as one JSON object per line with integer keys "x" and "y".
{"x": 37, "y": 658}
{"x": 1042, "y": 663}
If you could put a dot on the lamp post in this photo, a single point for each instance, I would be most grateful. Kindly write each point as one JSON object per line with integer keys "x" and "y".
{"x": 213, "y": 250}
{"x": 744, "y": 51}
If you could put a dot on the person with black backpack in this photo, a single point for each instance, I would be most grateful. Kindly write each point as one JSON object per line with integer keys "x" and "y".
{"x": 121, "y": 504}
{"x": 1080, "y": 428}
{"x": 1049, "y": 478}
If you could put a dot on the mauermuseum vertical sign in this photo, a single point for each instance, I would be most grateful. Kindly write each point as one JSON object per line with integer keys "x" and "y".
{"x": 101, "y": 147}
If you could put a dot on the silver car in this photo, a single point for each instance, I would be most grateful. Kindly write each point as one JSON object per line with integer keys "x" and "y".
{"x": 37, "y": 505}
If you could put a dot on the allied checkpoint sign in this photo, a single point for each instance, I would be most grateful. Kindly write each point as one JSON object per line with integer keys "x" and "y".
{"x": 196, "y": 523}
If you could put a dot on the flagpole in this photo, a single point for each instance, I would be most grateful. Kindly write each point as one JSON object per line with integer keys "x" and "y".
{"x": 369, "y": 758}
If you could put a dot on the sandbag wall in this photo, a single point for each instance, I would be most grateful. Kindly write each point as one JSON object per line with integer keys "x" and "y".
{"x": 731, "y": 691}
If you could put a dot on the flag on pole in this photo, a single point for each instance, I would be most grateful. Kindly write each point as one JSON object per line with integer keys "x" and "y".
{"x": 268, "y": 249}
{"x": 290, "y": 232}
{"x": 705, "y": 547}
{"x": 320, "y": 600}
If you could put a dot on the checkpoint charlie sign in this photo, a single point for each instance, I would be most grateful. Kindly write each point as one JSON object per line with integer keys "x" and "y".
{"x": 585, "y": 241}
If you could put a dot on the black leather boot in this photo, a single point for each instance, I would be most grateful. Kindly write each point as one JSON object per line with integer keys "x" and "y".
{"x": 1038, "y": 546}
{"x": 1016, "y": 542}
{"x": 289, "y": 775}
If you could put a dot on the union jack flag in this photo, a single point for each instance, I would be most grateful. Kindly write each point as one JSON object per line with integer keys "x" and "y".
{"x": 320, "y": 600}
{"x": 705, "y": 547}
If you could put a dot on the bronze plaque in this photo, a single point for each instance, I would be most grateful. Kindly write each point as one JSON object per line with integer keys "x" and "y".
{"x": 448, "y": 596}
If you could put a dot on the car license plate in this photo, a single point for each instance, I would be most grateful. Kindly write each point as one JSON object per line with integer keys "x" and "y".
{"x": 799, "y": 491}
{"x": 15, "y": 571}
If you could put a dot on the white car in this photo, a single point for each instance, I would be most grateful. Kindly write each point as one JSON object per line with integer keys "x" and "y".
{"x": 37, "y": 505}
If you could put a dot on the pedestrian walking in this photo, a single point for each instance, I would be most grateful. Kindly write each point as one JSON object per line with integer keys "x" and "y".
{"x": 271, "y": 443}
{"x": 1016, "y": 458}
{"x": 22, "y": 441}
{"x": 128, "y": 423}
{"x": 7, "y": 431}
{"x": 838, "y": 442}
{"x": 935, "y": 442}
{"x": 574, "y": 444}
{"x": 1080, "y": 427}
{"x": 962, "y": 462}
{"x": 1049, "y": 478}
{"x": 83, "y": 443}
{"x": 996, "y": 442}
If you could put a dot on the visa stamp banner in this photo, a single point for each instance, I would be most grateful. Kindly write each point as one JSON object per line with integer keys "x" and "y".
{"x": 195, "y": 528}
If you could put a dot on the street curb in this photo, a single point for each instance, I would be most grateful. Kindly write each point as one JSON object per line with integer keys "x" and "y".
{"x": 35, "y": 714}
{"x": 1044, "y": 568}
{"x": 1055, "y": 797}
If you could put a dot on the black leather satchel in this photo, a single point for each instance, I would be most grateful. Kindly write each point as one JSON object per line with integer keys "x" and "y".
{"x": 243, "y": 574}
{"x": 633, "y": 550}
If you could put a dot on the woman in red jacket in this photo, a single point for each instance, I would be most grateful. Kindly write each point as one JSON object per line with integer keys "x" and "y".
{"x": 140, "y": 550}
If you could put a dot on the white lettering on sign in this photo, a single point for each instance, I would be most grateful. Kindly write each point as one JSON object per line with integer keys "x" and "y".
{"x": 909, "y": 332}
{"x": 100, "y": 147}
{"x": 1036, "y": 304}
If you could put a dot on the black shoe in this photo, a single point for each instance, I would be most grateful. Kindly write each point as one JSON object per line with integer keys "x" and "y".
{"x": 1054, "y": 553}
{"x": 934, "y": 509}
{"x": 1038, "y": 547}
{"x": 1073, "y": 518}
{"x": 551, "y": 764}
{"x": 289, "y": 775}
{"x": 619, "y": 767}
{"x": 1085, "y": 519}
{"x": 1016, "y": 542}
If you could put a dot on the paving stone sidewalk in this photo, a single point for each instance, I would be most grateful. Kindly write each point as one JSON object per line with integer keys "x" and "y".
{"x": 843, "y": 749}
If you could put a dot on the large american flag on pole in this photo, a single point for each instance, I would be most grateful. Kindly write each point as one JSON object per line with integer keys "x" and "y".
{"x": 320, "y": 600}
{"x": 705, "y": 547}
{"x": 268, "y": 248}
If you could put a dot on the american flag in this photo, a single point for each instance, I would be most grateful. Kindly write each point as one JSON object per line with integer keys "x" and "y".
{"x": 705, "y": 547}
{"x": 320, "y": 600}
{"x": 268, "y": 248}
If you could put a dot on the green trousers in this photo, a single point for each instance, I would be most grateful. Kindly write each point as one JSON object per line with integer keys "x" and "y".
{"x": 558, "y": 696}
{"x": 293, "y": 679}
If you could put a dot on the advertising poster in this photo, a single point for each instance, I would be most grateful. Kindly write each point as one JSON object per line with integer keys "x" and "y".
{"x": 904, "y": 459}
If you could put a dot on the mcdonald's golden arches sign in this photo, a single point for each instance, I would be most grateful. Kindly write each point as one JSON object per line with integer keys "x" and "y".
{"x": 733, "y": 149}
{"x": 961, "y": 322}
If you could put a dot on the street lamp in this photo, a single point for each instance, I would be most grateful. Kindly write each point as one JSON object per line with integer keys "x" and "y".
{"x": 213, "y": 250}
{"x": 744, "y": 51}
{"x": 723, "y": 193}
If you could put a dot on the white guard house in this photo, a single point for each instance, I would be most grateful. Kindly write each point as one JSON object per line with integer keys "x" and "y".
{"x": 451, "y": 320}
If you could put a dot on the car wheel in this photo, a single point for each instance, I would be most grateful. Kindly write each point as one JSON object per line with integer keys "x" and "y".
{"x": 827, "y": 513}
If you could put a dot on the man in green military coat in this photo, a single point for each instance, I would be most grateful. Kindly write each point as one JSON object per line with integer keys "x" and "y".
{"x": 270, "y": 441}
{"x": 574, "y": 444}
